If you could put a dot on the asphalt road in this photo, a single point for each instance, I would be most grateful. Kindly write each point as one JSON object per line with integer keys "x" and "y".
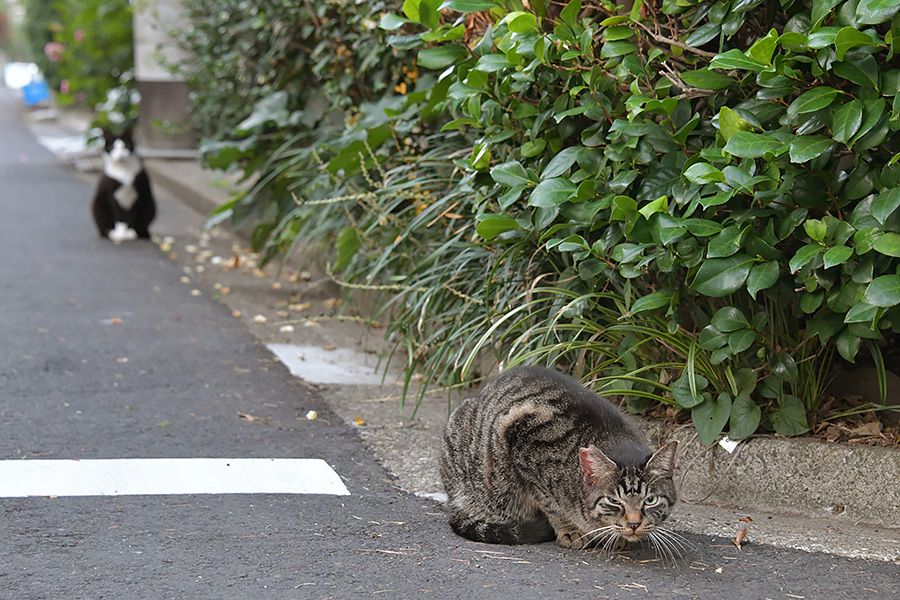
{"x": 104, "y": 353}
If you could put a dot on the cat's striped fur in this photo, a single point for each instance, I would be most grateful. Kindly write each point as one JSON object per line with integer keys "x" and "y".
{"x": 535, "y": 456}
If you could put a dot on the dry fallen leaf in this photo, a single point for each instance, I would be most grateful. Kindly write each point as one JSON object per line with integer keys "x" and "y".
{"x": 286, "y": 329}
{"x": 746, "y": 519}
{"x": 869, "y": 429}
{"x": 359, "y": 421}
{"x": 260, "y": 319}
{"x": 236, "y": 313}
{"x": 247, "y": 417}
{"x": 740, "y": 538}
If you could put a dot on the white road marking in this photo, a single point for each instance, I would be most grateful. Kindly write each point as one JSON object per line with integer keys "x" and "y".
{"x": 153, "y": 476}
{"x": 314, "y": 364}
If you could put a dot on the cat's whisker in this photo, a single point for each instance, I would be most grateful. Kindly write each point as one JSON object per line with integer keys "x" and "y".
{"x": 605, "y": 537}
{"x": 669, "y": 545}
{"x": 598, "y": 534}
{"x": 661, "y": 550}
{"x": 676, "y": 538}
{"x": 609, "y": 545}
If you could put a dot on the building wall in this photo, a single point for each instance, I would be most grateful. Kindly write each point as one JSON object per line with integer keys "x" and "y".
{"x": 165, "y": 96}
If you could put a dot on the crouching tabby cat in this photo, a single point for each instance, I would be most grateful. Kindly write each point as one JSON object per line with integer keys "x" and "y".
{"x": 123, "y": 206}
{"x": 535, "y": 456}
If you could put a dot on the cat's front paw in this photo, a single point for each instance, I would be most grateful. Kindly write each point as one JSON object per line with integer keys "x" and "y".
{"x": 571, "y": 538}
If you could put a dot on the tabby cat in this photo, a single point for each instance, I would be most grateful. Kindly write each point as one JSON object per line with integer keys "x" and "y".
{"x": 535, "y": 456}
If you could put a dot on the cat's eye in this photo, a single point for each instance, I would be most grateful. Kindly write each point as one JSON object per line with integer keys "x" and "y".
{"x": 651, "y": 500}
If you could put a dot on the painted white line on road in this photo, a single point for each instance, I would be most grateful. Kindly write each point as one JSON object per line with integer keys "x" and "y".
{"x": 153, "y": 476}
{"x": 343, "y": 366}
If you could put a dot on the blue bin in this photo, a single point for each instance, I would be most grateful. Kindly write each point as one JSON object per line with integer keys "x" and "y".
{"x": 36, "y": 93}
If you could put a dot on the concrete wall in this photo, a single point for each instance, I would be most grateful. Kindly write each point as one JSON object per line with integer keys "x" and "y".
{"x": 164, "y": 95}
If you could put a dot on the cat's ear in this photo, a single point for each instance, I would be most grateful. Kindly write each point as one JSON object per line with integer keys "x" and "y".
{"x": 595, "y": 466}
{"x": 662, "y": 462}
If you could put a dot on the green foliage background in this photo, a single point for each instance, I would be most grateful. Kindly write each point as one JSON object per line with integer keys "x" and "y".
{"x": 96, "y": 57}
{"x": 690, "y": 203}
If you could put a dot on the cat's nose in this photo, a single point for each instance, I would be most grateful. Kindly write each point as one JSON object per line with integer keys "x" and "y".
{"x": 634, "y": 525}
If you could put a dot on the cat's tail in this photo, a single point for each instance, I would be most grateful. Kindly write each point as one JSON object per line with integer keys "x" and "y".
{"x": 534, "y": 531}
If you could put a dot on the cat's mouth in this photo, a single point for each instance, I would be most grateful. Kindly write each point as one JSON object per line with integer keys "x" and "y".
{"x": 632, "y": 535}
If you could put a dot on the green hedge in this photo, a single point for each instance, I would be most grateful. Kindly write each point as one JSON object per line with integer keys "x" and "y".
{"x": 84, "y": 49}
{"x": 693, "y": 203}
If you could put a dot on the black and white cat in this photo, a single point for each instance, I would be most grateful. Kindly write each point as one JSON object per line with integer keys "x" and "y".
{"x": 123, "y": 206}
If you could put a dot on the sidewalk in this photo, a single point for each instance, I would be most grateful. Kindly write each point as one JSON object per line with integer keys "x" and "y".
{"x": 797, "y": 493}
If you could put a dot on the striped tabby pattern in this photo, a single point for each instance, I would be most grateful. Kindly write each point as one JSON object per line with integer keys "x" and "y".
{"x": 535, "y": 456}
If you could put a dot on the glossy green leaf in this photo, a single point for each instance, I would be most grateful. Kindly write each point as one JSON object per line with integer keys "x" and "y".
{"x": 719, "y": 277}
{"x": 561, "y": 163}
{"x": 821, "y": 9}
{"x": 653, "y": 301}
{"x": 700, "y": 173}
{"x": 703, "y": 227}
{"x": 730, "y": 123}
{"x": 888, "y": 244}
{"x": 710, "y": 418}
{"x": 682, "y": 394}
{"x": 654, "y": 206}
{"x": 885, "y": 203}
{"x": 763, "y": 48}
{"x": 804, "y": 255}
{"x": 745, "y": 144}
{"x": 735, "y": 59}
{"x": 521, "y": 22}
{"x": 511, "y": 174}
{"x": 728, "y": 319}
{"x": 883, "y": 291}
{"x": 391, "y": 21}
{"x": 440, "y": 57}
{"x": 726, "y": 242}
{"x": 808, "y": 147}
{"x": 846, "y": 121}
{"x": 790, "y": 417}
{"x": 740, "y": 341}
{"x": 468, "y": 6}
{"x": 837, "y": 255}
{"x": 873, "y": 12}
{"x": 862, "y": 312}
{"x": 706, "y": 79}
{"x": 762, "y": 276}
{"x": 784, "y": 367}
{"x": 812, "y": 100}
{"x": 552, "y": 192}
{"x": 745, "y": 417}
{"x": 491, "y": 63}
{"x": 490, "y": 226}
{"x": 849, "y": 38}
